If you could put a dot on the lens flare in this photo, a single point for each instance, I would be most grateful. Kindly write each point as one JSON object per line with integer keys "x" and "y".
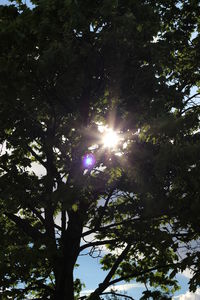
{"x": 89, "y": 161}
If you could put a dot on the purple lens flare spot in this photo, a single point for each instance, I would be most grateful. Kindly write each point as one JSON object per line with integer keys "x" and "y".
{"x": 89, "y": 161}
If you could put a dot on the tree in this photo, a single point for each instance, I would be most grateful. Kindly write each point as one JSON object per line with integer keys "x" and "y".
{"x": 67, "y": 68}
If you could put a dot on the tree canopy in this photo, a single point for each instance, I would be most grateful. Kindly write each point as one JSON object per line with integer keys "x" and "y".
{"x": 70, "y": 71}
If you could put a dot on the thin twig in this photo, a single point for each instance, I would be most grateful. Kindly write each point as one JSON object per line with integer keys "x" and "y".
{"x": 118, "y": 294}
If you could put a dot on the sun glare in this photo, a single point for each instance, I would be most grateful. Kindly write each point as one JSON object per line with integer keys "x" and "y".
{"x": 110, "y": 138}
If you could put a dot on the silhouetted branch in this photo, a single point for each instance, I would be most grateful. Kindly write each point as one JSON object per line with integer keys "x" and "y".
{"x": 106, "y": 283}
{"x": 118, "y": 294}
{"x": 136, "y": 274}
{"x": 25, "y": 226}
{"x": 98, "y": 243}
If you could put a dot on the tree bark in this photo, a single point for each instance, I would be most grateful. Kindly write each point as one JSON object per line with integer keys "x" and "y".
{"x": 69, "y": 253}
{"x": 65, "y": 287}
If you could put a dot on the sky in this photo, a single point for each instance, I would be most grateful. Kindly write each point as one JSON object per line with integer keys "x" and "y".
{"x": 91, "y": 274}
{"x": 2, "y": 2}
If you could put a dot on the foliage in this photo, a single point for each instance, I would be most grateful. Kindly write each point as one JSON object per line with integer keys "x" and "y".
{"x": 67, "y": 67}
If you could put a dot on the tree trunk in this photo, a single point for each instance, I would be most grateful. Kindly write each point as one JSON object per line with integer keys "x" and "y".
{"x": 69, "y": 253}
{"x": 65, "y": 287}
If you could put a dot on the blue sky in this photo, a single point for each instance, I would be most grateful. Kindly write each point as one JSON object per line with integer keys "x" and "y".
{"x": 91, "y": 274}
{"x": 6, "y": 2}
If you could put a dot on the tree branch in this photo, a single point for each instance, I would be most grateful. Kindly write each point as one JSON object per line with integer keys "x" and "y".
{"x": 117, "y": 294}
{"x": 106, "y": 282}
{"x": 36, "y": 156}
{"x": 25, "y": 226}
{"x": 43, "y": 221}
{"x": 190, "y": 98}
{"x": 115, "y": 266}
{"x": 63, "y": 219}
{"x": 135, "y": 274}
{"x": 189, "y": 108}
{"x": 106, "y": 227}
{"x": 100, "y": 229}
{"x": 98, "y": 243}
{"x": 38, "y": 215}
{"x": 98, "y": 222}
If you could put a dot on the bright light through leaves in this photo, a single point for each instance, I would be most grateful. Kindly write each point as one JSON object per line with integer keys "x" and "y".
{"x": 110, "y": 139}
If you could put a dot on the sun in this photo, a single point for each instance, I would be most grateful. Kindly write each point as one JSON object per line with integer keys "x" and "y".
{"x": 110, "y": 138}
